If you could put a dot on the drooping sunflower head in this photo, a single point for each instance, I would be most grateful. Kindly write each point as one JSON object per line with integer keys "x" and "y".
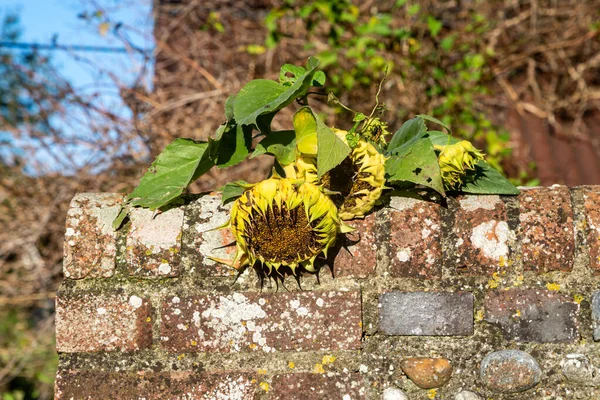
{"x": 359, "y": 180}
{"x": 456, "y": 160}
{"x": 283, "y": 222}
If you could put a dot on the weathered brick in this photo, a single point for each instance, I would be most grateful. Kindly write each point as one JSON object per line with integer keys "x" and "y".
{"x": 596, "y": 314}
{"x": 547, "y": 231}
{"x": 482, "y": 235}
{"x": 153, "y": 386}
{"x": 591, "y": 203}
{"x": 90, "y": 241}
{"x": 357, "y": 256}
{"x": 533, "y": 315}
{"x": 426, "y": 313}
{"x": 415, "y": 238}
{"x": 154, "y": 243}
{"x": 88, "y": 323}
{"x": 262, "y": 322}
{"x": 305, "y": 386}
{"x": 201, "y": 240}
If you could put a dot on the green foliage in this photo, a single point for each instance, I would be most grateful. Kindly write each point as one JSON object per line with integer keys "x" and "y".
{"x": 31, "y": 351}
{"x": 448, "y": 59}
{"x": 174, "y": 169}
{"x": 412, "y": 158}
{"x": 281, "y": 144}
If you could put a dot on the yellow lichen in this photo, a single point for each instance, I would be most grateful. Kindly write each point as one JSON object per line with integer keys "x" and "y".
{"x": 194, "y": 343}
{"x": 328, "y": 359}
{"x": 148, "y": 319}
{"x": 578, "y": 298}
{"x": 479, "y": 315}
{"x": 181, "y": 357}
{"x": 494, "y": 282}
{"x": 291, "y": 365}
{"x": 553, "y": 286}
{"x": 262, "y": 371}
{"x": 252, "y": 346}
{"x": 318, "y": 369}
{"x": 431, "y": 393}
{"x": 264, "y": 386}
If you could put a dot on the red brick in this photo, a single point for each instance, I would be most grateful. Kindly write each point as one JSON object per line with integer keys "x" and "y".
{"x": 482, "y": 235}
{"x": 267, "y": 322}
{"x": 304, "y": 386}
{"x": 357, "y": 256}
{"x": 88, "y": 323}
{"x": 591, "y": 203}
{"x": 547, "y": 231}
{"x": 201, "y": 239}
{"x": 415, "y": 238}
{"x": 533, "y": 315}
{"x": 152, "y": 386}
{"x": 154, "y": 243}
{"x": 90, "y": 242}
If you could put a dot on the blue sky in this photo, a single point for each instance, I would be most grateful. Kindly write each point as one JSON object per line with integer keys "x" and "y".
{"x": 42, "y": 21}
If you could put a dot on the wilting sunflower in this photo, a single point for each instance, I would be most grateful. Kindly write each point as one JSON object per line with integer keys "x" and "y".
{"x": 359, "y": 179}
{"x": 456, "y": 160}
{"x": 283, "y": 222}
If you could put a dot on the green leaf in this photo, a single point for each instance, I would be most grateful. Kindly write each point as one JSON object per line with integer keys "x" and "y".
{"x": 229, "y": 107}
{"x": 415, "y": 161}
{"x": 294, "y": 70}
{"x": 435, "y": 121}
{"x": 410, "y": 129}
{"x": 281, "y": 144}
{"x": 305, "y": 127}
{"x": 232, "y": 190}
{"x": 123, "y": 213}
{"x": 434, "y": 25}
{"x": 262, "y": 96}
{"x": 172, "y": 171}
{"x": 441, "y": 138}
{"x": 234, "y": 146}
{"x": 319, "y": 79}
{"x": 331, "y": 150}
{"x": 487, "y": 180}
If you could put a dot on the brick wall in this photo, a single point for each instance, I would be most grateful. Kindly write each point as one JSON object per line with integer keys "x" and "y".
{"x": 483, "y": 297}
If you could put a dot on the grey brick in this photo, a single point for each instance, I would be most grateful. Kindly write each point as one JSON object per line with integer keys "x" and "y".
{"x": 532, "y": 315}
{"x": 426, "y": 313}
{"x": 596, "y": 314}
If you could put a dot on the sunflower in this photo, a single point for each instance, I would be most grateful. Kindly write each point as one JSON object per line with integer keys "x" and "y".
{"x": 283, "y": 222}
{"x": 356, "y": 184}
{"x": 455, "y": 160}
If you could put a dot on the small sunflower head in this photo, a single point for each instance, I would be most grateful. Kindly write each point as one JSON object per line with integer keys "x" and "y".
{"x": 357, "y": 183}
{"x": 283, "y": 222}
{"x": 456, "y": 160}
{"x": 376, "y": 130}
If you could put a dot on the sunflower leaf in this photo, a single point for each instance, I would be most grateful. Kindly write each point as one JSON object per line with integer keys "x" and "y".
{"x": 409, "y": 130}
{"x": 173, "y": 170}
{"x": 234, "y": 145}
{"x": 281, "y": 144}
{"x": 232, "y": 190}
{"x": 416, "y": 162}
{"x": 305, "y": 127}
{"x": 486, "y": 180}
{"x": 263, "y": 96}
{"x": 331, "y": 150}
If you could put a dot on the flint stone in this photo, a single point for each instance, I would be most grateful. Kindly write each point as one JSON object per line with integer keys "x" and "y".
{"x": 578, "y": 368}
{"x": 510, "y": 371}
{"x": 466, "y": 395}
{"x": 393, "y": 393}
